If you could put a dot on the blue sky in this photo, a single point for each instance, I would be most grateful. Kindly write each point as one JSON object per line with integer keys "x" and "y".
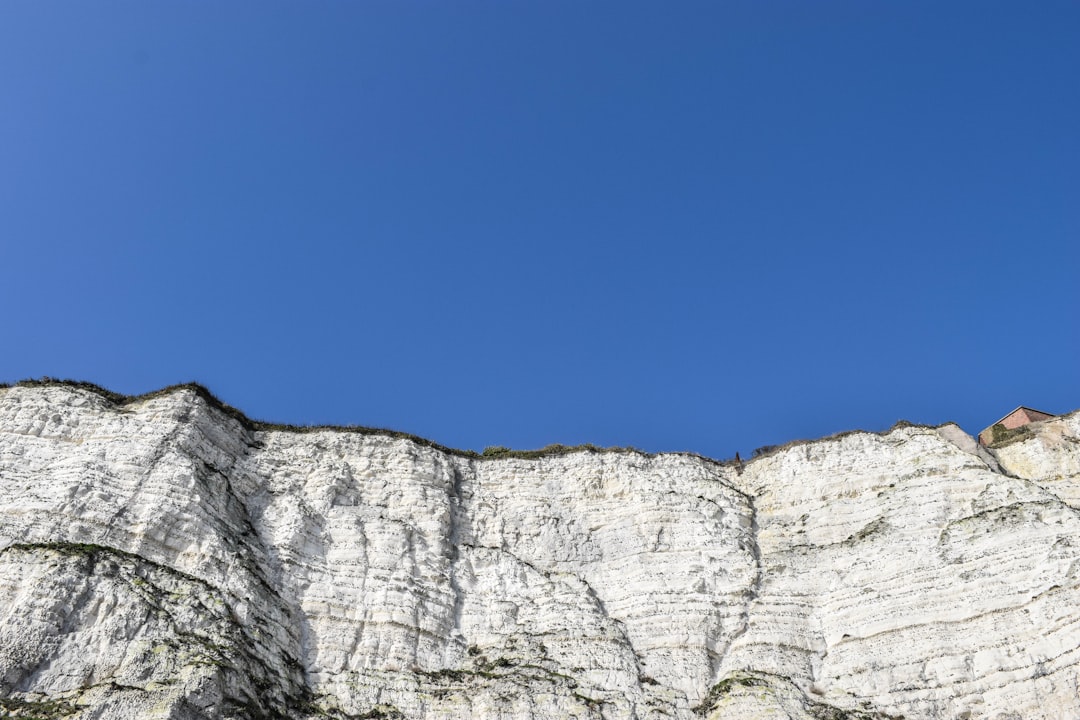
{"x": 679, "y": 226}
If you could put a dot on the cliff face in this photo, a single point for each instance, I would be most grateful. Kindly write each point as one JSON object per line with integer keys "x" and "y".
{"x": 164, "y": 559}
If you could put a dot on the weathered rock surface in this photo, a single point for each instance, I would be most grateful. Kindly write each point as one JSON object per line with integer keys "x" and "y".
{"x": 164, "y": 558}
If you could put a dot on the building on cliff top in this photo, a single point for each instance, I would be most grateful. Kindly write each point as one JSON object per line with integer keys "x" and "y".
{"x": 1018, "y": 418}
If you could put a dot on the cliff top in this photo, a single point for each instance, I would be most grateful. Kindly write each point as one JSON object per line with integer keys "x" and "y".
{"x": 119, "y": 399}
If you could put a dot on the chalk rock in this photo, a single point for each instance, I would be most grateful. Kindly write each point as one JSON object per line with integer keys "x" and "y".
{"x": 164, "y": 557}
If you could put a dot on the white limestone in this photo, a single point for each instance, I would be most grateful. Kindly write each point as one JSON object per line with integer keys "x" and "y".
{"x": 164, "y": 560}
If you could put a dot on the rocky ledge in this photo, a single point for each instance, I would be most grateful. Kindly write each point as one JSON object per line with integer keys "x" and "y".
{"x": 165, "y": 557}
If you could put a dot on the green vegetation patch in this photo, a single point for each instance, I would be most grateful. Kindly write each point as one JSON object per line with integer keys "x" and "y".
{"x": 821, "y": 711}
{"x": 725, "y": 686}
{"x": 36, "y": 709}
{"x": 498, "y": 451}
{"x": 817, "y": 710}
{"x": 382, "y": 712}
{"x": 92, "y": 550}
{"x": 1000, "y": 436}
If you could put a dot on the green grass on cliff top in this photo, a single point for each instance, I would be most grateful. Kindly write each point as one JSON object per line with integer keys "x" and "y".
{"x": 492, "y": 452}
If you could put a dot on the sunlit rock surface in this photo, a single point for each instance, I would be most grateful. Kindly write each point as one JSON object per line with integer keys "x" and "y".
{"x": 165, "y": 558}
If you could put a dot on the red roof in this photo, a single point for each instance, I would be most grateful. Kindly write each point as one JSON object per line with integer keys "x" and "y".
{"x": 1018, "y": 408}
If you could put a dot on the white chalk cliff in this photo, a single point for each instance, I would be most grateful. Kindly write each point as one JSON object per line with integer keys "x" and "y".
{"x": 164, "y": 557}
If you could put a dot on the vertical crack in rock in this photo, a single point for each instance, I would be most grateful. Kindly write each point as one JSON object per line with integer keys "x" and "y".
{"x": 750, "y": 595}
{"x": 455, "y": 541}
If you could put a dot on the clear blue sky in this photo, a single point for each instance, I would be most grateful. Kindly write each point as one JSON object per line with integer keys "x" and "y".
{"x": 700, "y": 226}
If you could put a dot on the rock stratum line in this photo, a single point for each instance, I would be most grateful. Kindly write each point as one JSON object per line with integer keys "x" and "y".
{"x": 166, "y": 557}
